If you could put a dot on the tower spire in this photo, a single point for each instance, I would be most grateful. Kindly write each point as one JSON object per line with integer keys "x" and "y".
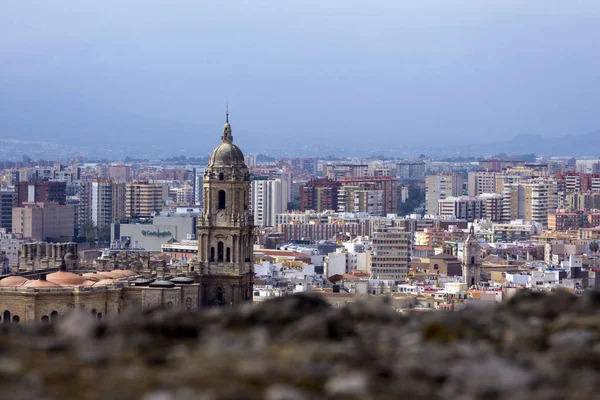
{"x": 227, "y": 138}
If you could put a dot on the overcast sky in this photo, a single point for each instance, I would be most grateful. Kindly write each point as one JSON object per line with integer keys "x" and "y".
{"x": 396, "y": 71}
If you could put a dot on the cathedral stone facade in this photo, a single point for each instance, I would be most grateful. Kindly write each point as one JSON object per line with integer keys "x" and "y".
{"x": 225, "y": 230}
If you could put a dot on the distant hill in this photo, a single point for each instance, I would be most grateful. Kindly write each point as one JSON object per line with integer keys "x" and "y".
{"x": 587, "y": 144}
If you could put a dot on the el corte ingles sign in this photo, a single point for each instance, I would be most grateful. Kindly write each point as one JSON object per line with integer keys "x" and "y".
{"x": 157, "y": 233}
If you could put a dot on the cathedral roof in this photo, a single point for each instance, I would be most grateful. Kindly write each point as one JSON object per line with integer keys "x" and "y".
{"x": 41, "y": 284}
{"x": 182, "y": 280}
{"x": 97, "y": 276}
{"x": 104, "y": 282}
{"x": 116, "y": 274}
{"x": 142, "y": 282}
{"x": 162, "y": 283}
{"x": 227, "y": 153}
{"x": 65, "y": 278}
{"x": 12, "y": 281}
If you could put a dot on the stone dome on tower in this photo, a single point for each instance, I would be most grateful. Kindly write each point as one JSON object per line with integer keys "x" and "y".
{"x": 227, "y": 153}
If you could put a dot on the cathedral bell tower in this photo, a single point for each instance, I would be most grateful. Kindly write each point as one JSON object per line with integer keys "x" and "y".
{"x": 471, "y": 264}
{"x": 225, "y": 229}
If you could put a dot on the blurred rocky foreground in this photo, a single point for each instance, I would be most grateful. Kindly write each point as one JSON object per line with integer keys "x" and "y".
{"x": 534, "y": 347}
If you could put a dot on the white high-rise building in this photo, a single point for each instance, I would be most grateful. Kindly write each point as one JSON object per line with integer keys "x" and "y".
{"x": 197, "y": 185}
{"x": 107, "y": 201}
{"x": 529, "y": 200}
{"x": 267, "y": 198}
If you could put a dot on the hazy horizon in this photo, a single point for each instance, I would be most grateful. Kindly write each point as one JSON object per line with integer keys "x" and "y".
{"x": 388, "y": 75}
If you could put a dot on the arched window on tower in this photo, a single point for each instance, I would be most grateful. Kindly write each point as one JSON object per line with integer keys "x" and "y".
{"x": 221, "y": 176}
{"x": 212, "y": 254}
{"x": 6, "y": 317}
{"x": 220, "y": 250}
{"x": 221, "y": 199}
{"x": 228, "y": 257}
{"x": 473, "y": 260}
{"x": 220, "y": 296}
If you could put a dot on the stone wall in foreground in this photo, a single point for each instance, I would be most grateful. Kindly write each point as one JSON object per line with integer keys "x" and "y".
{"x": 533, "y": 347}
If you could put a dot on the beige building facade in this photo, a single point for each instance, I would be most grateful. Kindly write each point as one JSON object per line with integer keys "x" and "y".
{"x": 143, "y": 199}
{"x": 440, "y": 187}
{"x": 40, "y": 221}
{"x": 390, "y": 257}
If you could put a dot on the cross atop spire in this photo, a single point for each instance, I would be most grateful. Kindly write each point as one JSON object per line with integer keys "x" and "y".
{"x": 227, "y": 111}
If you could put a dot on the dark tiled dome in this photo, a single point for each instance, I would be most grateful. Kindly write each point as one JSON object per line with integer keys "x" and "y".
{"x": 142, "y": 282}
{"x": 182, "y": 280}
{"x": 162, "y": 283}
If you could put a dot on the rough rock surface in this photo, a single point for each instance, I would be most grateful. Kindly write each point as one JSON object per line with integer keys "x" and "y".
{"x": 533, "y": 347}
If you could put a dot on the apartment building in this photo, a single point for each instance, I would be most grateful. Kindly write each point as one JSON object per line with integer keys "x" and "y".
{"x": 7, "y": 198}
{"x": 411, "y": 170}
{"x": 388, "y": 187}
{"x": 479, "y": 182}
{"x": 339, "y": 171}
{"x": 440, "y": 187}
{"x": 391, "y": 253}
{"x": 143, "y": 199}
{"x": 563, "y": 221}
{"x": 267, "y": 199}
{"x": 462, "y": 207}
{"x": 41, "y": 221}
{"x": 319, "y": 195}
{"x": 530, "y": 200}
{"x": 107, "y": 202}
{"x": 120, "y": 172}
{"x": 361, "y": 197}
{"x": 39, "y": 192}
{"x": 537, "y": 201}
{"x": 582, "y": 201}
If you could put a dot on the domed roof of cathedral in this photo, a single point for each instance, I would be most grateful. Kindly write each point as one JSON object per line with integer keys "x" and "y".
{"x": 182, "y": 280}
{"x": 118, "y": 274}
{"x": 161, "y": 283}
{"x": 226, "y": 153}
{"x": 12, "y": 281}
{"x": 97, "y": 276}
{"x": 142, "y": 282}
{"x": 104, "y": 282}
{"x": 65, "y": 278}
{"x": 41, "y": 284}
